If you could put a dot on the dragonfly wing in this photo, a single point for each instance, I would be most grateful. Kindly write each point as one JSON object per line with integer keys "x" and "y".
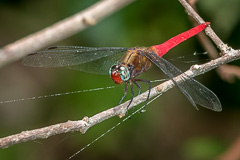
{"x": 65, "y": 56}
{"x": 99, "y": 66}
{"x": 192, "y": 89}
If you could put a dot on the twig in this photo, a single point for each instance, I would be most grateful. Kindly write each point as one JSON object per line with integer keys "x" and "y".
{"x": 223, "y": 47}
{"x": 60, "y": 30}
{"x": 204, "y": 40}
{"x": 86, "y": 123}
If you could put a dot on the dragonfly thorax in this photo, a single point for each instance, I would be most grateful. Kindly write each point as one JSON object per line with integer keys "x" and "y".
{"x": 119, "y": 73}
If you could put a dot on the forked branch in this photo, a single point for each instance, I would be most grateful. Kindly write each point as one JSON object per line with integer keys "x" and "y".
{"x": 86, "y": 123}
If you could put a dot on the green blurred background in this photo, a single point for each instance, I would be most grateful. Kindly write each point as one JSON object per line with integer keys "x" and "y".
{"x": 170, "y": 129}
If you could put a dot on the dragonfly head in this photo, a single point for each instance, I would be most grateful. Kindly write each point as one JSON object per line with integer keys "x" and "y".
{"x": 119, "y": 73}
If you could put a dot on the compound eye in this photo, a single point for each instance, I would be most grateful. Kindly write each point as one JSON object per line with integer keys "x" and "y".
{"x": 115, "y": 74}
{"x": 124, "y": 73}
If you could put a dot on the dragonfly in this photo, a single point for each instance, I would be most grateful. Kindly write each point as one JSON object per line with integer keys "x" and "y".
{"x": 125, "y": 64}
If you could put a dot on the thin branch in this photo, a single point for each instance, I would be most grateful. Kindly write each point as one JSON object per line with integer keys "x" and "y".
{"x": 223, "y": 47}
{"x": 207, "y": 44}
{"x": 60, "y": 30}
{"x": 86, "y": 123}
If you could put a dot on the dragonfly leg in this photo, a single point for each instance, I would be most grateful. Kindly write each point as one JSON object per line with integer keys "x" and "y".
{"x": 125, "y": 92}
{"x": 139, "y": 87}
{"x": 132, "y": 92}
{"x": 139, "y": 91}
{"x": 149, "y": 90}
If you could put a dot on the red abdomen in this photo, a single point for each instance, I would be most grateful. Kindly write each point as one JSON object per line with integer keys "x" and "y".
{"x": 163, "y": 48}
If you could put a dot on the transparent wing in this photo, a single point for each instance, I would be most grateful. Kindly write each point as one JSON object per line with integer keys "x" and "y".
{"x": 89, "y": 59}
{"x": 192, "y": 89}
{"x": 64, "y": 56}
